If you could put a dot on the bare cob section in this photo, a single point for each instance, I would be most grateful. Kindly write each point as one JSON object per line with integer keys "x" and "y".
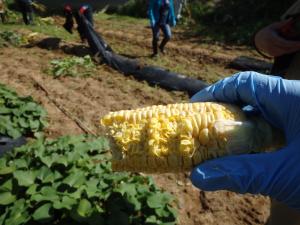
{"x": 177, "y": 137}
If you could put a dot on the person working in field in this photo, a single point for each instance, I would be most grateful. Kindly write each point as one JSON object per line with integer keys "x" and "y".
{"x": 2, "y": 11}
{"x": 26, "y": 9}
{"x": 162, "y": 16}
{"x": 273, "y": 174}
{"x": 281, "y": 40}
{"x": 83, "y": 11}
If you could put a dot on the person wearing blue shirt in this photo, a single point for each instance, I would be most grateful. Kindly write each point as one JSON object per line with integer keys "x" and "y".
{"x": 162, "y": 16}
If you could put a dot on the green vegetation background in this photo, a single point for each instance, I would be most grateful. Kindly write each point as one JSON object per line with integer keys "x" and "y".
{"x": 226, "y": 21}
{"x": 229, "y": 21}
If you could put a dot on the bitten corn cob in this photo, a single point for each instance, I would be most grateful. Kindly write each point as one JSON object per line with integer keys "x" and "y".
{"x": 176, "y": 137}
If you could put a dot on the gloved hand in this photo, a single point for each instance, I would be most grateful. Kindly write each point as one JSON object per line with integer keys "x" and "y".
{"x": 276, "y": 174}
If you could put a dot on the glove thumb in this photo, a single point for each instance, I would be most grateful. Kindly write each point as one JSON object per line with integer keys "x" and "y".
{"x": 248, "y": 173}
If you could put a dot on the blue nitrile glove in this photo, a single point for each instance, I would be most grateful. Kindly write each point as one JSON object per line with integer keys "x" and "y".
{"x": 276, "y": 174}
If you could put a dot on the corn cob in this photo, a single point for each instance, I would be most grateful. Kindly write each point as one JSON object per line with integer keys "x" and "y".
{"x": 177, "y": 137}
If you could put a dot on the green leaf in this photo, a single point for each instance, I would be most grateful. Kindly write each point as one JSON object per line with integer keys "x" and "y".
{"x": 75, "y": 179}
{"x": 2, "y": 162}
{"x": 41, "y": 197}
{"x": 18, "y": 213}
{"x": 7, "y": 198}
{"x": 82, "y": 148}
{"x": 22, "y": 122}
{"x": 142, "y": 189}
{"x": 84, "y": 208}
{"x": 91, "y": 188}
{"x": 47, "y": 160}
{"x": 30, "y": 106}
{"x": 102, "y": 184}
{"x": 38, "y": 134}
{"x": 7, "y": 186}
{"x": 32, "y": 189}
{"x": 137, "y": 204}
{"x": 73, "y": 156}
{"x": 7, "y": 170}
{"x": 55, "y": 158}
{"x": 100, "y": 143}
{"x": 3, "y": 216}
{"x": 151, "y": 219}
{"x": 127, "y": 188}
{"x": 173, "y": 211}
{"x": 162, "y": 212}
{"x": 61, "y": 159}
{"x": 99, "y": 209}
{"x": 14, "y": 133}
{"x": 158, "y": 200}
{"x": 4, "y": 110}
{"x": 46, "y": 175}
{"x": 25, "y": 178}
{"x": 21, "y": 163}
{"x": 43, "y": 212}
{"x": 76, "y": 194}
{"x": 65, "y": 203}
{"x": 49, "y": 191}
{"x": 34, "y": 124}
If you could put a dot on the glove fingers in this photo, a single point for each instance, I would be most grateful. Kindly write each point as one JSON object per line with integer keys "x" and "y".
{"x": 275, "y": 174}
{"x": 272, "y": 96}
{"x": 248, "y": 173}
{"x": 241, "y": 88}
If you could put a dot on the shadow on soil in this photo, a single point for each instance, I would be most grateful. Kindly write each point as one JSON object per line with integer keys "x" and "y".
{"x": 80, "y": 50}
{"x": 53, "y": 43}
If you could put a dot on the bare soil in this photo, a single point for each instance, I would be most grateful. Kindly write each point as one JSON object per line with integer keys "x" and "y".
{"x": 90, "y": 98}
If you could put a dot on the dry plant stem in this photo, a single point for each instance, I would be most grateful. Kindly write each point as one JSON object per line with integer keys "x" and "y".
{"x": 80, "y": 124}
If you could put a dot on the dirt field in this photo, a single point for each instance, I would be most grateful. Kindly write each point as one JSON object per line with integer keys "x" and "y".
{"x": 89, "y": 98}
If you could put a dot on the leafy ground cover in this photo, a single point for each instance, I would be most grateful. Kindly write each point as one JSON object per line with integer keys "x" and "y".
{"x": 69, "y": 181}
{"x": 11, "y": 38}
{"x": 72, "y": 66}
{"x": 20, "y": 115}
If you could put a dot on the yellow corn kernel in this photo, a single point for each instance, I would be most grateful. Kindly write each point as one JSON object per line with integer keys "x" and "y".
{"x": 172, "y": 138}
{"x": 203, "y": 136}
